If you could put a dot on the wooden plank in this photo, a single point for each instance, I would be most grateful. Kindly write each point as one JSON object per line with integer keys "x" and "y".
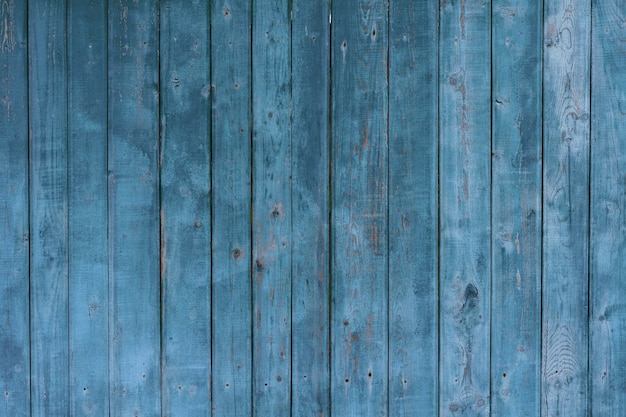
{"x": 87, "y": 199}
{"x": 359, "y": 228}
{"x": 48, "y": 208}
{"x": 271, "y": 153}
{"x": 14, "y": 313}
{"x": 185, "y": 209}
{"x": 231, "y": 242}
{"x": 607, "y": 318}
{"x": 465, "y": 175}
{"x": 310, "y": 183}
{"x": 413, "y": 203}
{"x": 133, "y": 151}
{"x": 565, "y": 207}
{"x": 516, "y": 208}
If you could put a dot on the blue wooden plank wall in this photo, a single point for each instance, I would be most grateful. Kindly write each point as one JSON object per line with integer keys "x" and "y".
{"x": 312, "y": 208}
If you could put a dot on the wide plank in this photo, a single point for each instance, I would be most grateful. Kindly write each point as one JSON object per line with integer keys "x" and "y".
{"x": 310, "y": 58}
{"x": 516, "y": 208}
{"x": 185, "y": 209}
{"x": 413, "y": 204}
{"x": 133, "y": 209}
{"x": 87, "y": 199}
{"x": 359, "y": 198}
{"x": 14, "y": 313}
{"x": 566, "y": 90}
{"x": 607, "y": 315}
{"x": 272, "y": 208}
{"x": 232, "y": 228}
{"x": 47, "y": 88}
{"x": 465, "y": 230}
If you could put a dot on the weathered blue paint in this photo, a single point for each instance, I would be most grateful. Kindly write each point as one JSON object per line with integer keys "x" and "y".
{"x": 14, "y": 168}
{"x": 231, "y": 253}
{"x": 133, "y": 211}
{"x": 464, "y": 209}
{"x": 263, "y": 208}
{"x": 47, "y": 88}
{"x": 413, "y": 198}
{"x": 310, "y": 37}
{"x": 359, "y": 304}
{"x": 87, "y": 199}
{"x": 271, "y": 208}
{"x": 516, "y": 208}
{"x": 607, "y": 316}
{"x": 185, "y": 209}
{"x": 566, "y": 119}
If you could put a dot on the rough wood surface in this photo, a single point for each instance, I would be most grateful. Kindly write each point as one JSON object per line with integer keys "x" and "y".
{"x": 465, "y": 176}
{"x": 607, "y": 315}
{"x": 87, "y": 171}
{"x": 231, "y": 242}
{"x": 14, "y": 289}
{"x": 566, "y": 92}
{"x": 310, "y": 35}
{"x": 413, "y": 218}
{"x": 359, "y": 303}
{"x": 516, "y": 208}
{"x": 47, "y": 89}
{"x": 185, "y": 209}
{"x": 133, "y": 154}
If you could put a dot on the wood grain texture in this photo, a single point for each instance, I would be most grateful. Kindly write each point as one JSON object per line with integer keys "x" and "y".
{"x": 359, "y": 316}
{"x": 87, "y": 199}
{"x": 133, "y": 153}
{"x": 565, "y": 207}
{"x": 14, "y": 255}
{"x": 465, "y": 175}
{"x": 516, "y": 208}
{"x": 310, "y": 34}
{"x": 413, "y": 217}
{"x": 231, "y": 241}
{"x": 607, "y": 316}
{"x": 185, "y": 209}
{"x": 272, "y": 207}
{"x": 48, "y": 208}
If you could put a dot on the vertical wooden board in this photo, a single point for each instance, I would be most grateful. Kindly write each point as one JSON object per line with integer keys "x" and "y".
{"x": 413, "y": 199}
{"x": 516, "y": 208}
{"x": 565, "y": 207}
{"x": 465, "y": 176}
{"x": 48, "y": 208}
{"x": 231, "y": 241}
{"x": 359, "y": 324}
{"x": 310, "y": 183}
{"x": 271, "y": 93}
{"x": 14, "y": 316}
{"x": 185, "y": 209}
{"x": 607, "y": 319}
{"x": 134, "y": 327}
{"x": 87, "y": 199}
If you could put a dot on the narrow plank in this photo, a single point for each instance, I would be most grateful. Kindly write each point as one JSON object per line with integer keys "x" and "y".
{"x": 14, "y": 316}
{"x": 48, "y": 208}
{"x": 134, "y": 326}
{"x": 413, "y": 203}
{"x": 185, "y": 209}
{"x": 465, "y": 175}
{"x": 516, "y": 208}
{"x": 608, "y": 244}
{"x": 359, "y": 228}
{"x": 310, "y": 60}
{"x": 231, "y": 241}
{"x": 565, "y": 207}
{"x": 87, "y": 206}
{"x": 271, "y": 153}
